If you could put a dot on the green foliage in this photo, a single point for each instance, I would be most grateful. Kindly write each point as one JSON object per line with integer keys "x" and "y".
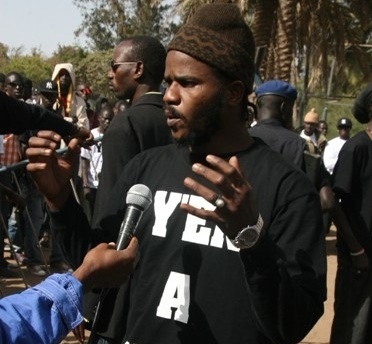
{"x": 332, "y": 110}
{"x": 107, "y": 22}
{"x": 34, "y": 67}
{"x": 69, "y": 53}
{"x": 93, "y": 69}
{"x": 4, "y": 58}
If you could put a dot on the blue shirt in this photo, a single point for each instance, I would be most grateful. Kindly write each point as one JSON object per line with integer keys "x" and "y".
{"x": 44, "y": 313}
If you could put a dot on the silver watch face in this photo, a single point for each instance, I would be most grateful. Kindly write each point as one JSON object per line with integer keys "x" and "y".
{"x": 250, "y": 236}
{"x": 247, "y": 237}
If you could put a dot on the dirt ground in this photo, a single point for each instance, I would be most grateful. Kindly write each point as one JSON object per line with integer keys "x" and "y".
{"x": 318, "y": 335}
{"x": 322, "y": 329}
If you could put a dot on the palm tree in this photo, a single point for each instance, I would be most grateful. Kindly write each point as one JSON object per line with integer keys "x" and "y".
{"x": 322, "y": 46}
{"x": 317, "y": 45}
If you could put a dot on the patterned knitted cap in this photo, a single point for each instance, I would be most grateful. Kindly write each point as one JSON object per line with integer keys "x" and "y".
{"x": 218, "y": 36}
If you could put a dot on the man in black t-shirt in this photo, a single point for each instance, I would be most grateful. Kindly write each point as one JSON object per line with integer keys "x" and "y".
{"x": 232, "y": 249}
{"x": 352, "y": 175}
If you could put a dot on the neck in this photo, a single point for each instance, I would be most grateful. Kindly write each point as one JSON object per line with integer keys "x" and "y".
{"x": 369, "y": 129}
{"x": 225, "y": 143}
{"x": 143, "y": 89}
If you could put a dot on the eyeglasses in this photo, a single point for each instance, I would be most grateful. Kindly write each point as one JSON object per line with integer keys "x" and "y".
{"x": 15, "y": 84}
{"x": 114, "y": 65}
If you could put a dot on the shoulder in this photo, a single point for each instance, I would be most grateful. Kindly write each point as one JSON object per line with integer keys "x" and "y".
{"x": 78, "y": 100}
{"x": 360, "y": 139}
{"x": 262, "y": 158}
{"x": 333, "y": 141}
{"x": 320, "y": 137}
{"x": 95, "y": 132}
{"x": 272, "y": 165}
{"x": 154, "y": 99}
{"x": 149, "y": 106}
{"x": 158, "y": 153}
{"x": 150, "y": 161}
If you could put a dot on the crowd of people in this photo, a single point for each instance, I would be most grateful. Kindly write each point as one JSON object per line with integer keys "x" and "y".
{"x": 239, "y": 212}
{"x": 24, "y": 219}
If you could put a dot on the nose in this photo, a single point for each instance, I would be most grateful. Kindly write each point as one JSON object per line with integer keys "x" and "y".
{"x": 171, "y": 94}
{"x": 110, "y": 74}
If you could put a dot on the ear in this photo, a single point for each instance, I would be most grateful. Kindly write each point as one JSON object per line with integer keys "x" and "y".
{"x": 283, "y": 105}
{"x": 140, "y": 68}
{"x": 236, "y": 92}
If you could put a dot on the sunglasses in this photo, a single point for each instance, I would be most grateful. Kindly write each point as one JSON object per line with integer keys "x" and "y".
{"x": 114, "y": 65}
{"x": 15, "y": 84}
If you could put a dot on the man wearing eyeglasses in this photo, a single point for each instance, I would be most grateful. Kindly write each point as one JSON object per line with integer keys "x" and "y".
{"x": 135, "y": 75}
{"x": 14, "y": 85}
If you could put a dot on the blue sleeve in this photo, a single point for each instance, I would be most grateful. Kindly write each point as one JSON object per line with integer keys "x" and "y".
{"x": 44, "y": 313}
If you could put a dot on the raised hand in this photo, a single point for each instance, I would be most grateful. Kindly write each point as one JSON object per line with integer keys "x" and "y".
{"x": 50, "y": 171}
{"x": 235, "y": 205}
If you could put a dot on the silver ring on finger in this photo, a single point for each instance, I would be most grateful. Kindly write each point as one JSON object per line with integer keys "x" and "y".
{"x": 218, "y": 201}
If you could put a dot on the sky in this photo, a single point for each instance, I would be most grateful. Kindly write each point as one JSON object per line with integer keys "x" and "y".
{"x": 39, "y": 24}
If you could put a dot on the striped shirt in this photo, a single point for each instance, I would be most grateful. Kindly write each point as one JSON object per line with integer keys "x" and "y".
{"x": 11, "y": 150}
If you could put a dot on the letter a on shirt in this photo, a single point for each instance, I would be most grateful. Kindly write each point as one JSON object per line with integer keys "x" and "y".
{"x": 175, "y": 298}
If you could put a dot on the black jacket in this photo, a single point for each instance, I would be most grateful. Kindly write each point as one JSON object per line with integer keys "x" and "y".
{"x": 138, "y": 128}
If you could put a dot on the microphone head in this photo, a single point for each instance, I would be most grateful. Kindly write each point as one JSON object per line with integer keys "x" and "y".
{"x": 139, "y": 195}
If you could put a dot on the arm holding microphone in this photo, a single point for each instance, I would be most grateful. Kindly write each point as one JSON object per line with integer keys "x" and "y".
{"x": 51, "y": 173}
{"x": 17, "y": 117}
{"x": 58, "y": 299}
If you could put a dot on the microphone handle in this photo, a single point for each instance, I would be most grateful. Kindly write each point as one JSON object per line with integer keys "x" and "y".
{"x": 128, "y": 227}
{"x": 132, "y": 217}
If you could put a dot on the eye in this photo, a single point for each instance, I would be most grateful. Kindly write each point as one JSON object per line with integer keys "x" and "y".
{"x": 188, "y": 83}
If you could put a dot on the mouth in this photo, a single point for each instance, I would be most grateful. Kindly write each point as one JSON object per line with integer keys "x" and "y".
{"x": 172, "y": 117}
{"x": 111, "y": 87}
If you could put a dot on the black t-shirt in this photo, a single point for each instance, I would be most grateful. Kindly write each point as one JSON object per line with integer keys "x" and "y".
{"x": 352, "y": 183}
{"x": 191, "y": 283}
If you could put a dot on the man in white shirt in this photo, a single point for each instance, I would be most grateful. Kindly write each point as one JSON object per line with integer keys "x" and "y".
{"x": 91, "y": 158}
{"x": 334, "y": 146}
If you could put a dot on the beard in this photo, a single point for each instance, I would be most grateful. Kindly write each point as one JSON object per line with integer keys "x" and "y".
{"x": 204, "y": 124}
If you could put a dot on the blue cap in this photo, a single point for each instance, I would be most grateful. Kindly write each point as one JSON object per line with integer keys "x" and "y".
{"x": 277, "y": 87}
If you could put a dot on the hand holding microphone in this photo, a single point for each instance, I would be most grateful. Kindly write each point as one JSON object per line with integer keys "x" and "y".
{"x": 139, "y": 198}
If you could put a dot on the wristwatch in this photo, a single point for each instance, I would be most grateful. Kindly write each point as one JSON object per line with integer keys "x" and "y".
{"x": 249, "y": 235}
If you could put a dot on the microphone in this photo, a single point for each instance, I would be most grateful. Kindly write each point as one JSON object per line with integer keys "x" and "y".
{"x": 138, "y": 200}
